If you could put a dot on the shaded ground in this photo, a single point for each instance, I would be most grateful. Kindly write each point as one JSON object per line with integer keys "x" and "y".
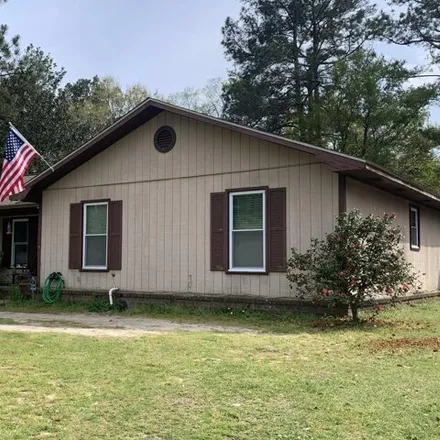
{"x": 88, "y": 324}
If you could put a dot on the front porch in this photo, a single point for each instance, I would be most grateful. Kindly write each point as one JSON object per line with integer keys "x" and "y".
{"x": 18, "y": 242}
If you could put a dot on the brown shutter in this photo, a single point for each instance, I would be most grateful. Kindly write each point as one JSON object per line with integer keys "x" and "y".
{"x": 276, "y": 216}
{"x": 75, "y": 238}
{"x": 115, "y": 235}
{"x": 218, "y": 231}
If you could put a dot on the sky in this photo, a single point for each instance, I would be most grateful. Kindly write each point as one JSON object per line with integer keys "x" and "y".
{"x": 165, "y": 45}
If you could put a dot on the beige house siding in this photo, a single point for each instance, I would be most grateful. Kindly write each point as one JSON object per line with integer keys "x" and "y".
{"x": 166, "y": 206}
{"x": 375, "y": 201}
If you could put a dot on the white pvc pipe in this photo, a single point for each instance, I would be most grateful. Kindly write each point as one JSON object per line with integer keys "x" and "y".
{"x": 110, "y": 294}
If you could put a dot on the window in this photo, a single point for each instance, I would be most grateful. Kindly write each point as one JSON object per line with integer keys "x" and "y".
{"x": 414, "y": 225}
{"x": 95, "y": 235}
{"x": 20, "y": 242}
{"x": 247, "y": 224}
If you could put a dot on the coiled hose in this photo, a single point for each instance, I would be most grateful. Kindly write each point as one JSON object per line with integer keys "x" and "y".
{"x": 53, "y": 288}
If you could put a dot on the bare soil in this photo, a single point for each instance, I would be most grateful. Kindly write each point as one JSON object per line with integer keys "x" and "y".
{"x": 407, "y": 343}
{"x": 89, "y": 324}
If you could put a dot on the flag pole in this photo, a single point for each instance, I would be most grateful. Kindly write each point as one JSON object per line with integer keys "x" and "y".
{"x": 25, "y": 140}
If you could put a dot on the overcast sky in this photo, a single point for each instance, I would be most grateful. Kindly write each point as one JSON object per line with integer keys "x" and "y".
{"x": 165, "y": 45}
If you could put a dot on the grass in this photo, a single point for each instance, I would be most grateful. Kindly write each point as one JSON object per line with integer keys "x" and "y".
{"x": 280, "y": 323}
{"x": 303, "y": 384}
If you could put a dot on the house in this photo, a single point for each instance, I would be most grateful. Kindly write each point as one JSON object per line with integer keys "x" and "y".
{"x": 172, "y": 201}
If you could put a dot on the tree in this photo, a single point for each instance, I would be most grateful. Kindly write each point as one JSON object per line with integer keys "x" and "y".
{"x": 207, "y": 100}
{"x": 282, "y": 52}
{"x": 414, "y": 22}
{"x": 372, "y": 113}
{"x": 8, "y": 49}
{"x": 361, "y": 259}
{"x": 30, "y": 100}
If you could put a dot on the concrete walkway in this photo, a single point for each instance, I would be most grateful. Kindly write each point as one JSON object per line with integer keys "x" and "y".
{"x": 90, "y": 324}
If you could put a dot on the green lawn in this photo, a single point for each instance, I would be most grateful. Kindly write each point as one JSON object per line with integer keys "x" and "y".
{"x": 302, "y": 383}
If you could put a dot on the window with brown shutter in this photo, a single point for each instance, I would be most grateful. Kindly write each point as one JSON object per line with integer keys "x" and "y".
{"x": 248, "y": 230}
{"x": 96, "y": 235}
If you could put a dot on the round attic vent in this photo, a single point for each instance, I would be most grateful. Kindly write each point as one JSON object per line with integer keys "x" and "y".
{"x": 165, "y": 139}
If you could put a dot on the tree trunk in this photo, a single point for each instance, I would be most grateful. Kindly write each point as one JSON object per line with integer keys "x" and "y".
{"x": 298, "y": 73}
{"x": 354, "y": 313}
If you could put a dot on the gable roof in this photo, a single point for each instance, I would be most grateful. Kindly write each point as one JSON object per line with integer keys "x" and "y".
{"x": 358, "y": 169}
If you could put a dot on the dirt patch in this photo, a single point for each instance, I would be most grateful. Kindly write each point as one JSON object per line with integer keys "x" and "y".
{"x": 89, "y": 324}
{"x": 328, "y": 323}
{"x": 407, "y": 343}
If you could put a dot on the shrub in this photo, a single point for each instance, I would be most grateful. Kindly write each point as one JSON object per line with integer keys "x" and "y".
{"x": 360, "y": 259}
{"x": 15, "y": 293}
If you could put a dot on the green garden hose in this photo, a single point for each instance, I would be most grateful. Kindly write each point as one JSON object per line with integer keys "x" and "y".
{"x": 53, "y": 288}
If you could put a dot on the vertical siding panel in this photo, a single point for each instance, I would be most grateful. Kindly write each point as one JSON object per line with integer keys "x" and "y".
{"x": 200, "y": 147}
{"x": 264, "y": 162}
{"x": 236, "y": 151}
{"x": 192, "y": 150}
{"x": 175, "y": 234}
{"x": 294, "y": 195}
{"x": 244, "y": 153}
{"x": 168, "y": 235}
{"x": 335, "y": 178}
{"x": 206, "y": 242}
{"x": 218, "y": 151}
{"x": 227, "y": 151}
{"x": 184, "y": 147}
{"x": 169, "y": 157}
{"x": 327, "y": 200}
{"x": 162, "y": 160}
{"x": 192, "y": 236}
{"x": 139, "y": 143}
{"x": 137, "y": 234}
{"x": 315, "y": 200}
{"x": 284, "y": 156}
{"x": 146, "y": 151}
{"x": 305, "y": 200}
{"x": 128, "y": 234}
{"x": 145, "y": 236}
{"x": 160, "y": 229}
{"x": 274, "y": 155}
{"x": 152, "y": 152}
{"x": 254, "y": 154}
{"x": 209, "y": 149}
{"x": 152, "y": 268}
{"x": 177, "y": 150}
{"x": 184, "y": 236}
{"x": 254, "y": 178}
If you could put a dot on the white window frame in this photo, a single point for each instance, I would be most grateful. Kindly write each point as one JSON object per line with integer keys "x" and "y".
{"x": 84, "y": 232}
{"x": 231, "y": 231}
{"x": 14, "y": 243}
{"x": 416, "y": 228}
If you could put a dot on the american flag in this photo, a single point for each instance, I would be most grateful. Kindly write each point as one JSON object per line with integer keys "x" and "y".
{"x": 16, "y": 160}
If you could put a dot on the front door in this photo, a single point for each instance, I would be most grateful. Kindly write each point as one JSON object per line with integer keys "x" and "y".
{"x": 20, "y": 243}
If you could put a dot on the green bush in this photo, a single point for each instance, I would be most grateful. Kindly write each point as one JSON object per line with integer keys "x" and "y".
{"x": 15, "y": 293}
{"x": 361, "y": 258}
